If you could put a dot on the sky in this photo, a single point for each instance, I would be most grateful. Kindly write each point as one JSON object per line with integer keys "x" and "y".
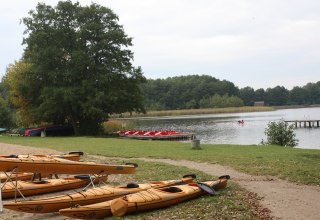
{"x": 256, "y": 43}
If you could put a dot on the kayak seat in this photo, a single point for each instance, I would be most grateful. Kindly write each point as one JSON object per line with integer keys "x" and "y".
{"x": 13, "y": 156}
{"x": 82, "y": 177}
{"x": 76, "y": 152}
{"x": 132, "y": 185}
{"x": 40, "y": 182}
{"x": 172, "y": 189}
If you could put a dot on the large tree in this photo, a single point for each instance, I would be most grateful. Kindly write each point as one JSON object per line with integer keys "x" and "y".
{"x": 80, "y": 66}
{"x": 247, "y": 95}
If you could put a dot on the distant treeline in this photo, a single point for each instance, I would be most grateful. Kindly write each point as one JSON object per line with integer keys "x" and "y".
{"x": 195, "y": 91}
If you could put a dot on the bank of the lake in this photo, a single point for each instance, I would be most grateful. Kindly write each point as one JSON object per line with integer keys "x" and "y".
{"x": 196, "y": 111}
{"x": 296, "y": 165}
{"x": 225, "y": 129}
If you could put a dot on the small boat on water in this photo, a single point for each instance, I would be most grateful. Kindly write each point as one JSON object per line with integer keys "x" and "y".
{"x": 54, "y": 165}
{"x": 145, "y": 200}
{"x": 94, "y": 195}
{"x": 10, "y": 189}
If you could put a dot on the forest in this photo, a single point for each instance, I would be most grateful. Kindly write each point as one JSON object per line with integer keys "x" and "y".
{"x": 204, "y": 91}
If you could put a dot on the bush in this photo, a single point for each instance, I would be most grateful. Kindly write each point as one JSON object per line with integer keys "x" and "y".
{"x": 112, "y": 126}
{"x": 280, "y": 133}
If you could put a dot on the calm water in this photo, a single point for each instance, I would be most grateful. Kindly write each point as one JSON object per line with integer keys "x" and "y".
{"x": 224, "y": 129}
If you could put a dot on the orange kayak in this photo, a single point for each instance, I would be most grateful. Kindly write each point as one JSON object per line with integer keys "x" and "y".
{"x": 74, "y": 156}
{"x": 61, "y": 166}
{"x": 18, "y": 176}
{"x": 144, "y": 200}
{"x": 94, "y": 195}
{"x": 46, "y": 185}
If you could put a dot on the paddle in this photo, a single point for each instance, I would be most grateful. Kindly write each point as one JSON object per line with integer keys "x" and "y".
{"x": 208, "y": 189}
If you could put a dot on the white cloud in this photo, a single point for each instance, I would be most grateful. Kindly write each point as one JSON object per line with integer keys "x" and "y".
{"x": 248, "y": 42}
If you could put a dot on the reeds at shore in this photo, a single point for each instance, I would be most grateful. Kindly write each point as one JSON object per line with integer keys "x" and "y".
{"x": 197, "y": 111}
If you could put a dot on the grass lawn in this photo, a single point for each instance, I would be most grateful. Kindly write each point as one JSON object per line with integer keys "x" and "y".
{"x": 293, "y": 164}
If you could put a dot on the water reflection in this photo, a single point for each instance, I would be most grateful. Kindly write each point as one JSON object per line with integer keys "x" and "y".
{"x": 225, "y": 129}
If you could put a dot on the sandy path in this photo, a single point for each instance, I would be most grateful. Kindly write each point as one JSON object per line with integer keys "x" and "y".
{"x": 285, "y": 200}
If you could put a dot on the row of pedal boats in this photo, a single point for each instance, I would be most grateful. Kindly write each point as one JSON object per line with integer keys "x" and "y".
{"x": 100, "y": 201}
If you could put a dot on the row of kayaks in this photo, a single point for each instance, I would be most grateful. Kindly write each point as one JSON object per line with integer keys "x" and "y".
{"x": 97, "y": 202}
{"x": 21, "y": 184}
{"x": 104, "y": 201}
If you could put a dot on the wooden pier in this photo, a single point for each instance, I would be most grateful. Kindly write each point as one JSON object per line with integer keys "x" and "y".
{"x": 305, "y": 123}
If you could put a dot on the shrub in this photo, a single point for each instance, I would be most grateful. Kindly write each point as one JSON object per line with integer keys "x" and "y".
{"x": 112, "y": 126}
{"x": 280, "y": 133}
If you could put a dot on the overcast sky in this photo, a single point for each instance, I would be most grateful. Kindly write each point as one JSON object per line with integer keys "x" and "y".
{"x": 257, "y": 43}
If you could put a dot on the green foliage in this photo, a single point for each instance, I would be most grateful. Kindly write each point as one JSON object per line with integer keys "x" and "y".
{"x": 313, "y": 93}
{"x": 277, "y": 96}
{"x": 79, "y": 67}
{"x": 113, "y": 125}
{"x": 3, "y": 92}
{"x": 280, "y": 133}
{"x": 194, "y": 91}
{"x": 298, "y": 96}
{"x": 218, "y": 101}
{"x": 247, "y": 95}
{"x": 19, "y": 91}
{"x": 6, "y": 118}
{"x": 184, "y": 92}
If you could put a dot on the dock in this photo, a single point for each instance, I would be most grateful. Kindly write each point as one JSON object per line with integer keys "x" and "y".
{"x": 305, "y": 123}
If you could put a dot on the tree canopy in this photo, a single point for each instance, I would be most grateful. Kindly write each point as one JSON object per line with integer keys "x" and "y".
{"x": 78, "y": 67}
{"x": 184, "y": 92}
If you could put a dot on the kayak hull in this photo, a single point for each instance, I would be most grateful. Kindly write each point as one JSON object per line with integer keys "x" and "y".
{"x": 45, "y": 186}
{"x": 73, "y": 156}
{"x": 61, "y": 166}
{"x": 94, "y": 195}
{"x": 104, "y": 209}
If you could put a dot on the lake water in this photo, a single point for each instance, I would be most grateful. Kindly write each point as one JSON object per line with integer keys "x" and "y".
{"x": 224, "y": 128}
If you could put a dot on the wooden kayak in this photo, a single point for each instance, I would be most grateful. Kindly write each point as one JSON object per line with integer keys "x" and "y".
{"x": 18, "y": 176}
{"x": 46, "y": 185}
{"x": 94, "y": 195}
{"x": 74, "y": 156}
{"x": 61, "y": 166}
{"x": 144, "y": 200}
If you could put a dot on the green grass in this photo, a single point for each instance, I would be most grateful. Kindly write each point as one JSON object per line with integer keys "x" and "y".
{"x": 233, "y": 200}
{"x": 293, "y": 164}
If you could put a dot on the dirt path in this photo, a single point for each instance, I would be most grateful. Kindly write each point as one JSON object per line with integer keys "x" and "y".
{"x": 285, "y": 200}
